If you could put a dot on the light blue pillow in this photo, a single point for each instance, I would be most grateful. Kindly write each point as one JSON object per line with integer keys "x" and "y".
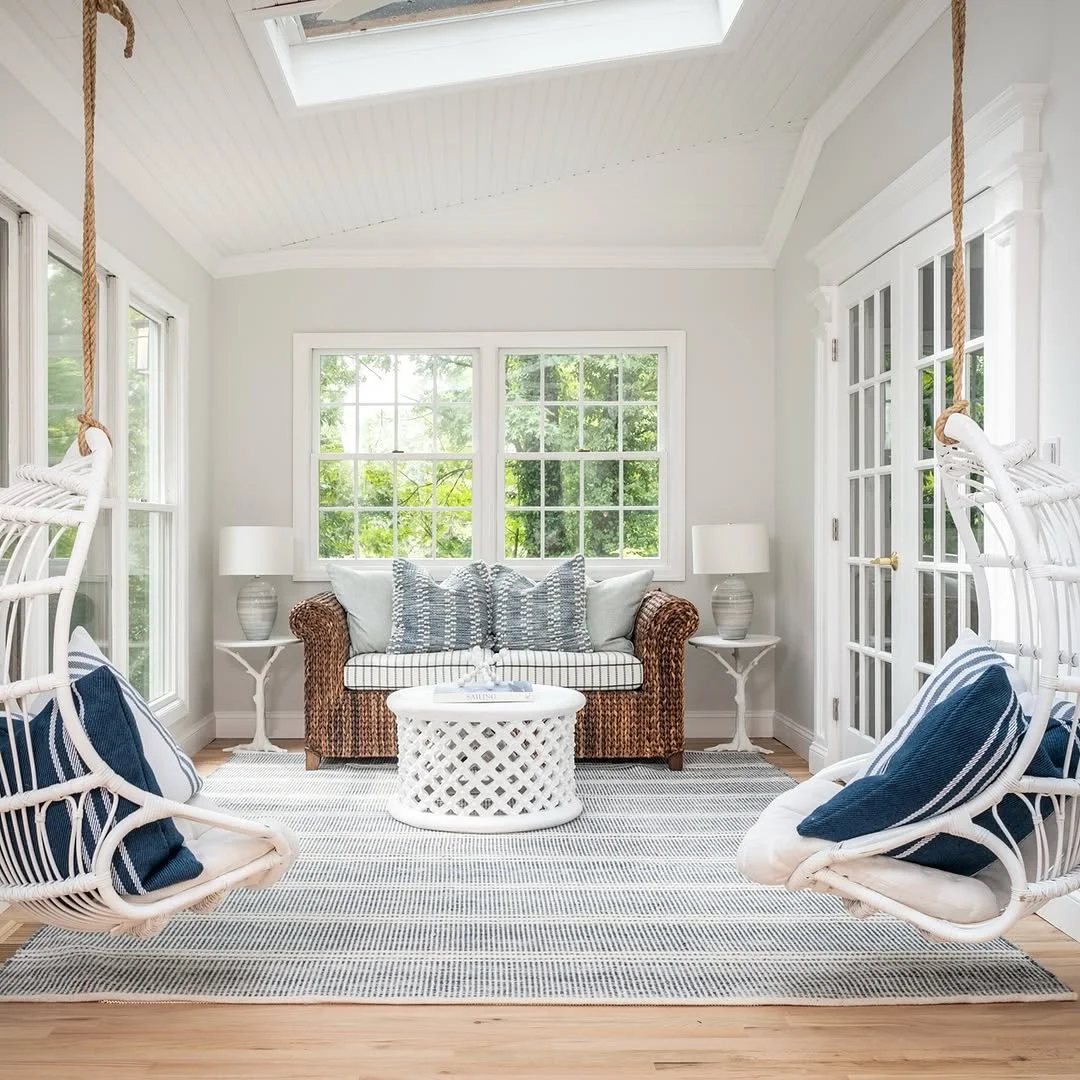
{"x": 367, "y": 597}
{"x": 955, "y": 752}
{"x": 429, "y": 617}
{"x": 547, "y": 614}
{"x": 611, "y": 608}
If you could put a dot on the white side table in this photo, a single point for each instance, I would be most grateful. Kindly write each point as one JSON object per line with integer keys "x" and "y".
{"x": 496, "y": 767}
{"x": 276, "y": 645}
{"x": 716, "y": 646}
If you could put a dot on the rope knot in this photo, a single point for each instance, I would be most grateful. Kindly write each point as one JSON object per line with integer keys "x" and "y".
{"x": 957, "y": 407}
{"x": 122, "y": 14}
{"x": 85, "y": 423}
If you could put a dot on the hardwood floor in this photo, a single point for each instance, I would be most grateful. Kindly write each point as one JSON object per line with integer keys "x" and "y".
{"x": 377, "y": 1042}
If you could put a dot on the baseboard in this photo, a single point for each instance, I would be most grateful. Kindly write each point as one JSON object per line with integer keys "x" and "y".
{"x": 706, "y": 724}
{"x": 794, "y": 736}
{"x": 193, "y": 733}
{"x": 1064, "y": 913}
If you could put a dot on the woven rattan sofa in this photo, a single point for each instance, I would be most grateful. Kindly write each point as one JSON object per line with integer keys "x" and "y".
{"x": 642, "y": 723}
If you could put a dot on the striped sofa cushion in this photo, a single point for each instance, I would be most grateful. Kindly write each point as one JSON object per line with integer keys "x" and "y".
{"x": 573, "y": 670}
{"x": 395, "y": 671}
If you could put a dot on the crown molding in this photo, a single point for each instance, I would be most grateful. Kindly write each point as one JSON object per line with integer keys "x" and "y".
{"x": 497, "y": 258}
{"x": 880, "y": 58}
{"x": 29, "y": 66}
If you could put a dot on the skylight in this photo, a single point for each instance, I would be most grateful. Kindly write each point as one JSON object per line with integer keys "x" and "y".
{"x": 405, "y": 13}
{"x": 311, "y": 60}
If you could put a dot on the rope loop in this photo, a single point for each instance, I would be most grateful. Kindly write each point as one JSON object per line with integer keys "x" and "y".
{"x": 119, "y": 10}
{"x": 956, "y": 175}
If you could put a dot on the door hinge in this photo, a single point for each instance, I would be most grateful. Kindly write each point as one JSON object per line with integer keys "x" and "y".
{"x": 835, "y": 350}
{"x": 836, "y": 710}
{"x": 836, "y": 528}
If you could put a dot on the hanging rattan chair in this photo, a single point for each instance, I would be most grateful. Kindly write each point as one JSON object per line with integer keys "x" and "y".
{"x": 47, "y": 521}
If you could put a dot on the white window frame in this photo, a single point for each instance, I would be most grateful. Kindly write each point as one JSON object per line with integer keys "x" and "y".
{"x": 488, "y": 476}
{"x": 45, "y": 226}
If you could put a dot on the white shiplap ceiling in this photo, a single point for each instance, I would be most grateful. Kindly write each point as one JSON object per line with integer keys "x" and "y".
{"x": 690, "y": 150}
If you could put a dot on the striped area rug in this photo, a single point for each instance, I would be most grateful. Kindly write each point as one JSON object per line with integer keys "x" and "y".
{"x": 635, "y": 902}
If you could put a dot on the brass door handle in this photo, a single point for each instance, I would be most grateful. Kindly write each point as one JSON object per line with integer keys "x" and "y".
{"x": 892, "y": 560}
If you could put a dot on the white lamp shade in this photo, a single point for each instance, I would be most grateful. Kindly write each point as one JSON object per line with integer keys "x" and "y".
{"x": 731, "y": 549}
{"x": 255, "y": 551}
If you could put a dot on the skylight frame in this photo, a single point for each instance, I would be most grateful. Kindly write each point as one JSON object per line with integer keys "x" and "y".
{"x": 343, "y": 71}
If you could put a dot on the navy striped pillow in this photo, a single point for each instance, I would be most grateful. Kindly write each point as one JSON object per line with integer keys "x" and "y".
{"x": 149, "y": 858}
{"x": 954, "y": 753}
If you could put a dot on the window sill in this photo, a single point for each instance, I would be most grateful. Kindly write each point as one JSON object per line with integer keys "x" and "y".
{"x": 598, "y": 570}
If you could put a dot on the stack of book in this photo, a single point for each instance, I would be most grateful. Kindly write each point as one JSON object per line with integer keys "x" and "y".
{"x": 517, "y": 690}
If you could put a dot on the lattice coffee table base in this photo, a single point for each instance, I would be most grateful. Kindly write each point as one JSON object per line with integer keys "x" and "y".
{"x": 486, "y": 768}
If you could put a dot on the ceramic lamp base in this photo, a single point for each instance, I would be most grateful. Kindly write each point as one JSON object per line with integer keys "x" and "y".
{"x": 256, "y": 608}
{"x": 732, "y": 608}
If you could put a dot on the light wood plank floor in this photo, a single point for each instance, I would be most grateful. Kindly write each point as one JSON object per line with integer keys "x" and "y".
{"x": 375, "y": 1042}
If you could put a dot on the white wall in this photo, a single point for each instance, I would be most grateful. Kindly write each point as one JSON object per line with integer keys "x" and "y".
{"x": 727, "y": 316}
{"x": 1059, "y": 347}
{"x": 903, "y": 118}
{"x": 36, "y": 145}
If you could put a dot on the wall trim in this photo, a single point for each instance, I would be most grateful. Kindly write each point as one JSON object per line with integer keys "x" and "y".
{"x": 1064, "y": 913}
{"x": 897, "y": 40}
{"x": 1000, "y": 138}
{"x": 59, "y": 97}
{"x": 700, "y": 724}
{"x": 793, "y": 735}
{"x": 498, "y": 258}
{"x": 193, "y": 734}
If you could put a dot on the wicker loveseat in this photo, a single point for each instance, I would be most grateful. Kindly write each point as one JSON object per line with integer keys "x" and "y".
{"x": 642, "y": 723}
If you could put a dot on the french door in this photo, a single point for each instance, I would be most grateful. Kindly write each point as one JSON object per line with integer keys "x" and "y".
{"x": 905, "y": 591}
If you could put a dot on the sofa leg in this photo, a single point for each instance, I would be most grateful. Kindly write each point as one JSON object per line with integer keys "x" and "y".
{"x": 674, "y": 762}
{"x": 311, "y": 760}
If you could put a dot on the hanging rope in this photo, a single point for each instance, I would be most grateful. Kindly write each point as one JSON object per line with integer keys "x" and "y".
{"x": 959, "y": 277}
{"x": 119, "y": 11}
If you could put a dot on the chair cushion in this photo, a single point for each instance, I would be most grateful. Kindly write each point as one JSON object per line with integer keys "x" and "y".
{"x": 149, "y": 858}
{"x": 955, "y": 752}
{"x": 547, "y": 614}
{"x": 174, "y": 771}
{"x": 367, "y": 597}
{"x": 395, "y": 671}
{"x": 611, "y": 608}
{"x": 433, "y": 617}
{"x": 773, "y": 849}
{"x": 573, "y": 670}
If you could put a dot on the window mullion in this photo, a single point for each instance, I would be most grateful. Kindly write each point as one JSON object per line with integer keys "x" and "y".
{"x": 114, "y": 400}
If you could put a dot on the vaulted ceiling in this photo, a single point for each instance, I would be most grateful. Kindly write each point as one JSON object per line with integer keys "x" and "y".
{"x": 681, "y": 150}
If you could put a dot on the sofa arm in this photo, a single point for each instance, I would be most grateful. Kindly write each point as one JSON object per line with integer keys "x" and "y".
{"x": 320, "y": 623}
{"x": 664, "y": 623}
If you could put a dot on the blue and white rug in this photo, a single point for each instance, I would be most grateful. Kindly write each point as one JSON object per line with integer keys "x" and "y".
{"x": 635, "y": 902}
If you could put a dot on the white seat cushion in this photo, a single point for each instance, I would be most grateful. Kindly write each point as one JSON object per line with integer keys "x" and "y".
{"x": 573, "y": 670}
{"x": 395, "y": 671}
{"x": 773, "y": 849}
{"x": 219, "y": 851}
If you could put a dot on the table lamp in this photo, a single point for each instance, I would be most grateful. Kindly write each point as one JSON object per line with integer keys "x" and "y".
{"x": 731, "y": 550}
{"x": 258, "y": 551}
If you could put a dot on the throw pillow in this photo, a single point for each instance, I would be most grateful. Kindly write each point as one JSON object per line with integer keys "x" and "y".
{"x": 957, "y": 750}
{"x": 368, "y": 599}
{"x": 429, "y": 617}
{"x": 149, "y": 858}
{"x": 174, "y": 771}
{"x": 611, "y": 607}
{"x": 961, "y": 665}
{"x": 548, "y": 614}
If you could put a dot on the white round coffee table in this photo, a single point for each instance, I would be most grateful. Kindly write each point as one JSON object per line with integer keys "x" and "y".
{"x": 491, "y": 767}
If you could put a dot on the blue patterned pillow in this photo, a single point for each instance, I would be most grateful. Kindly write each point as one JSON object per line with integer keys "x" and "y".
{"x": 429, "y": 617}
{"x": 150, "y": 857}
{"x": 548, "y": 614}
{"x": 956, "y": 751}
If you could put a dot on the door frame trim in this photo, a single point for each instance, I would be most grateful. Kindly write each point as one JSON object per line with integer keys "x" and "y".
{"x": 1004, "y": 157}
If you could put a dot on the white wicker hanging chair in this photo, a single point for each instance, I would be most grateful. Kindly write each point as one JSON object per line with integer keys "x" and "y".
{"x": 1026, "y": 570}
{"x": 44, "y": 512}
